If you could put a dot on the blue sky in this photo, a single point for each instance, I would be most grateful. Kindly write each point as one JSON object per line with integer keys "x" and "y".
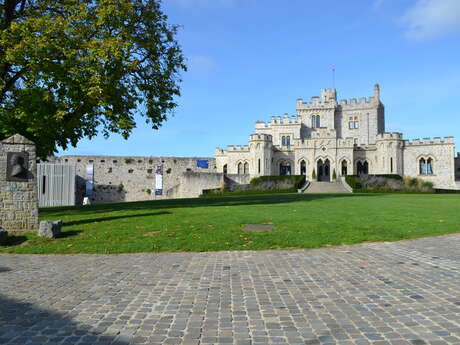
{"x": 251, "y": 59}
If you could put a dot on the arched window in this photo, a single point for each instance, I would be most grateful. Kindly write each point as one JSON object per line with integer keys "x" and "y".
{"x": 285, "y": 168}
{"x": 288, "y": 141}
{"x": 318, "y": 121}
{"x": 313, "y": 121}
{"x": 422, "y": 166}
{"x": 344, "y": 168}
{"x": 225, "y": 169}
{"x": 303, "y": 167}
{"x": 258, "y": 166}
{"x": 246, "y": 168}
{"x": 429, "y": 166}
{"x": 362, "y": 168}
{"x": 391, "y": 164}
{"x": 240, "y": 168}
{"x": 283, "y": 141}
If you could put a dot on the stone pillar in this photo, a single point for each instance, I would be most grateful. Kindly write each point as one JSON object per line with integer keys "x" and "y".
{"x": 18, "y": 185}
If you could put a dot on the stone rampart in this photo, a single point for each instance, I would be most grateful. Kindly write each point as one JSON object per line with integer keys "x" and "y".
{"x": 131, "y": 178}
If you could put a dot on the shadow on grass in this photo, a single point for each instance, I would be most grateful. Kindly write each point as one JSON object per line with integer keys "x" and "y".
{"x": 22, "y": 321}
{"x": 13, "y": 240}
{"x": 106, "y": 219}
{"x": 69, "y": 233}
{"x": 246, "y": 200}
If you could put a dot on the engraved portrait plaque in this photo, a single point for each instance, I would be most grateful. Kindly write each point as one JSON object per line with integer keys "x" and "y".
{"x": 17, "y": 167}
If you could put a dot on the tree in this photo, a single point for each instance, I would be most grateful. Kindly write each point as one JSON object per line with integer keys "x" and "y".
{"x": 71, "y": 69}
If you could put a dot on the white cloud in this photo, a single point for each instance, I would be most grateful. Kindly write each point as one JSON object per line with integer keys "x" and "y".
{"x": 432, "y": 18}
{"x": 201, "y": 64}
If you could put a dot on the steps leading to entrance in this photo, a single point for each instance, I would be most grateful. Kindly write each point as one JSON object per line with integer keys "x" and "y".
{"x": 326, "y": 187}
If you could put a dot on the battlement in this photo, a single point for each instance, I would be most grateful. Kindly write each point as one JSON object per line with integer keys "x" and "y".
{"x": 354, "y": 103}
{"x": 238, "y": 148}
{"x": 278, "y": 120}
{"x": 428, "y": 141}
{"x": 260, "y": 137}
{"x": 315, "y": 103}
{"x": 389, "y": 136}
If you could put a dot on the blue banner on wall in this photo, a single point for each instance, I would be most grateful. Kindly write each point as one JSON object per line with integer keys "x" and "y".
{"x": 201, "y": 163}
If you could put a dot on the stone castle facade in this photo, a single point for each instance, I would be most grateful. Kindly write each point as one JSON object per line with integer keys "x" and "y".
{"x": 327, "y": 139}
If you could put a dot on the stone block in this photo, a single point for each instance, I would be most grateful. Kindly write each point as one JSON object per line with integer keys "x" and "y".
{"x": 3, "y": 236}
{"x": 50, "y": 228}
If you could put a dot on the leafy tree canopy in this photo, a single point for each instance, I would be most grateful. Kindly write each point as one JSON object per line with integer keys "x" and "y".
{"x": 72, "y": 68}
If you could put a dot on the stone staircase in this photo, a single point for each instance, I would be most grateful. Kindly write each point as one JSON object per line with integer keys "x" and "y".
{"x": 326, "y": 187}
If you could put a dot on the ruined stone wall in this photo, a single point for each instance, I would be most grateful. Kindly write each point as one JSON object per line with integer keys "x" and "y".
{"x": 118, "y": 179}
{"x": 18, "y": 190}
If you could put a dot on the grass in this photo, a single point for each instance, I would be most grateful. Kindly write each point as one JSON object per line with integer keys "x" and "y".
{"x": 211, "y": 224}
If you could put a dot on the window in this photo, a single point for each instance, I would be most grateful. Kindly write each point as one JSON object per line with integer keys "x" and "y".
{"x": 130, "y": 171}
{"x": 429, "y": 166}
{"x": 258, "y": 165}
{"x": 283, "y": 141}
{"x": 344, "y": 168}
{"x": 391, "y": 164}
{"x": 315, "y": 121}
{"x": 246, "y": 168}
{"x": 303, "y": 167}
{"x": 240, "y": 168}
{"x": 426, "y": 166}
{"x": 288, "y": 141}
{"x": 350, "y": 124}
{"x": 362, "y": 168}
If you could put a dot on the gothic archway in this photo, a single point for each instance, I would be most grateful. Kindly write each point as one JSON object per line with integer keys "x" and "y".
{"x": 285, "y": 168}
{"x": 324, "y": 170}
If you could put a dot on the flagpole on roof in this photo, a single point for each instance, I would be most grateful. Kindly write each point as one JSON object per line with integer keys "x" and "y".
{"x": 333, "y": 76}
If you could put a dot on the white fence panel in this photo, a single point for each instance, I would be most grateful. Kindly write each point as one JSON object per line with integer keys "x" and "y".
{"x": 56, "y": 184}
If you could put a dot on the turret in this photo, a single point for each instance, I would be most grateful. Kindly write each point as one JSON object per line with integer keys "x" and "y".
{"x": 261, "y": 148}
{"x": 377, "y": 92}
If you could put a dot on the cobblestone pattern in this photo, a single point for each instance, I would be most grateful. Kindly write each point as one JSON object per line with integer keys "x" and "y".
{"x": 386, "y": 293}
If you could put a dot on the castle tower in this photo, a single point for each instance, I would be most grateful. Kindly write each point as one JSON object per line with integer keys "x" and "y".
{"x": 389, "y": 157}
{"x": 261, "y": 149}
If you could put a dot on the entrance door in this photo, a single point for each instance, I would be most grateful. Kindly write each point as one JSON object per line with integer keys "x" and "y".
{"x": 324, "y": 170}
{"x": 303, "y": 168}
{"x": 285, "y": 168}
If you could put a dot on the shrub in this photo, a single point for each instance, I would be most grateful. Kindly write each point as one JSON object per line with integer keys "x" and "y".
{"x": 277, "y": 182}
{"x": 129, "y": 160}
{"x": 120, "y": 187}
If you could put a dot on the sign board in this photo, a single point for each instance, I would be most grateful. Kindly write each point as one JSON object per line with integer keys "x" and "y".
{"x": 202, "y": 163}
{"x": 89, "y": 179}
{"x": 159, "y": 181}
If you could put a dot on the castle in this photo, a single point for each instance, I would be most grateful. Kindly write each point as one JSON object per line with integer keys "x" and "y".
{"x": 324, "y": 141}
{"x": 327, "y": 139}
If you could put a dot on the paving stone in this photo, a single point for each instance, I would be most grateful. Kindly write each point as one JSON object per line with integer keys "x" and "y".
{"x": 355, "y": 295}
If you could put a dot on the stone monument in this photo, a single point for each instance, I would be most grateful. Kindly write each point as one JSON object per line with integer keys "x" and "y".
{"x": 18, "y": 185}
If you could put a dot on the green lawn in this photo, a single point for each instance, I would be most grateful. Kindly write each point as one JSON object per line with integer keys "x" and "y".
{"x": 208, "y": 224}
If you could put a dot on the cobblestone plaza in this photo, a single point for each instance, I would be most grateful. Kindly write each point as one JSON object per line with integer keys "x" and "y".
{"x": 377, "y": 293}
